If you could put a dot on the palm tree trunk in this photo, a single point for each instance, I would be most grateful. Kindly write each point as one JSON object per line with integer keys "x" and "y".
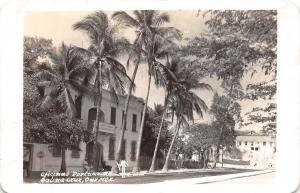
{"x": 97, "y": 127}
{"x": 165, "y": 168}
{"x": 136, "y": 167}
{"x": 114, "y": 168}
{"x": 71, "y": 109}
{"x": 152, "y": 167}
{"x": 63, "y": 167}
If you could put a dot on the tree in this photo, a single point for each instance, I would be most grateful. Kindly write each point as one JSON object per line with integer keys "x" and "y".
{"x": 184, "y": 101}
{"x": 56, "y": 82}
{"x": 226, "y": 113}
{"x": 54, "y": 85}
{"x": 105, "y": 47}
{"x": 35, "y": 50}
{"x": 171, "y": 82}
{"x": 265, "y": 115}
{"x": 258, "y": 29}
{"x": 56, "y": 129}
{"x": 148, "y": 27}
{"x": 201, "y": 137}
{"x": 240, "y": 43}
{"x": 152, "y": 123}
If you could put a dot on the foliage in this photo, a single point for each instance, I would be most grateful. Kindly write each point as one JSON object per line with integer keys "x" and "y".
{"x": 227, "y": 113}
{"x": 266, "y": 115}
{"x": 105, "y": 46}
{"x": 147, "y": 25}
{"x": 67, "y": 74}
{"x": 183, "y": 101}
{"x": 152, "y": 124}
{"x": 51, "y": 125}
{"x": 36, "y": 49}
{"x": 237, "y": 43}
{"x": 201, "y": 136}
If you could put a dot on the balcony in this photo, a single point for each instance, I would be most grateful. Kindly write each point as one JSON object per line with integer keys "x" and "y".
{"x": 107, "y": 128}
{"x": 104, "y": 127}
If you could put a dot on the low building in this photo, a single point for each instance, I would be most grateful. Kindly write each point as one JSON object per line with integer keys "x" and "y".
{"x": 257, "y": 148}
{"x": 44, "y": 157}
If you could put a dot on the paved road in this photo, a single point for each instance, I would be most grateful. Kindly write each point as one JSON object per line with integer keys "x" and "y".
{"x": 267, "y": 178}
{"x": 154, "y": 178}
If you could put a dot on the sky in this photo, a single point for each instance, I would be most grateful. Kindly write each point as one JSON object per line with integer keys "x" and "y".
{"x": 58, "y": 27}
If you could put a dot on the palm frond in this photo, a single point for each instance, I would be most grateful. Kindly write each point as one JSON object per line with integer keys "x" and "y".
{"x": 125, "y": 19}
{"x": 202, "y": 86}
{"x": 45, "y": 75}
{"x": 169, "y": 33}
{"x": 160, "y": 19}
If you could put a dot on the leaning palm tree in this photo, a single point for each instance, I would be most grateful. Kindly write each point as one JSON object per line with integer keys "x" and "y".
{"x": 147, "y": 24}
{"x": 105, "y": 47}
{"x": 170, "y": 83}
{"x": 56, "y": 82}
{"x": 184, "y": 102}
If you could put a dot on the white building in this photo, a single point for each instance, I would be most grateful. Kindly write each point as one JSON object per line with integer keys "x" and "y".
{"x": 44, "y": 157}
{"x": 258, "y": 149}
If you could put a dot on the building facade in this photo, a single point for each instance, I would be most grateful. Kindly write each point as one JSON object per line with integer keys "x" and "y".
{"x": 44, "y": 157}
{"x": 258, "y": 149}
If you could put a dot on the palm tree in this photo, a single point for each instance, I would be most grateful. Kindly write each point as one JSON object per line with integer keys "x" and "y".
{"x": 105, "y": 47}
{"x": 56, "y": 82}
{"x": 170, "y": 81}
{"x": 148, "y": 26}
{"x": 183, "y": 101}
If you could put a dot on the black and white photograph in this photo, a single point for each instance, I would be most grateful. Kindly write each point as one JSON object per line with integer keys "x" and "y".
{"x": 161, "y": 98}
{"x": 145, "y": 96}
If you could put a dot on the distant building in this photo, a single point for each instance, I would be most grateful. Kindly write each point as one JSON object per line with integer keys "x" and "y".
{"x": 259, "y": 149}
{"x": 44, "y": 157}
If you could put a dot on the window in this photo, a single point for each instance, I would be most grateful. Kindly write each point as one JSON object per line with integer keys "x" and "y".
{"x": 111, "y": 151}
{"x": 252, "y": 143}
{"x": 256, "y": 149}
{"x": 134, "y": 122}
{"x": 264, "y": 143}
{"x": 252, "y": 148}
{"x": 113, "y": 115}
{"x": 123, "y": 114}
{"x": 123, "y": 150}
{"x": 246, "y": 142}
{"x": 133, "y": 152}
{"x": 56, "y": 151}
{"x": 240, "y": 143}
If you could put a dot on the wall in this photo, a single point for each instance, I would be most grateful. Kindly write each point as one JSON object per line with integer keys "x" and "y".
{"x": 265, "y": 154}
{"x": 48, "y": 162}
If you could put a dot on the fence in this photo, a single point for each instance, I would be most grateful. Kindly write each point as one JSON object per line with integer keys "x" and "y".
{"x": 234, "y": 162}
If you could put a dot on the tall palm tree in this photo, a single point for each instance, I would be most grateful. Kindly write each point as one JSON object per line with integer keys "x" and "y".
{"x": 170, "y": 81}
{"x": 105, "y": 47}
{"x": 56, "y": 82}
{"x": 147, "y": 24}
{"x": 184, "y": 102}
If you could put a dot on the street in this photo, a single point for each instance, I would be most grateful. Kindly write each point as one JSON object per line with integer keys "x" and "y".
{"x": 179, "y": 176}
{"x": 267, "y": 178}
